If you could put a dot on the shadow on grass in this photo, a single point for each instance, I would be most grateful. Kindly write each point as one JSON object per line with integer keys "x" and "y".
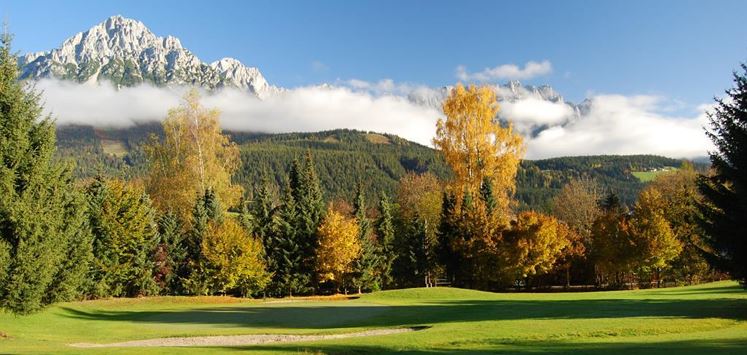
{"x": 537, "y": 347}
{"x": 306, "y": 316}
{"x": 723, "y": 290}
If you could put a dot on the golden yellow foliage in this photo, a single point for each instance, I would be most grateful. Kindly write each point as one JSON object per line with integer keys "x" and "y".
{"x": 234, "y": 259}
{"x": 193, "y": 156}
{"x": 538, "y": 241}
{"x": 421, "y": 196}
{"x": 338, "y": 246}
{"x": 476, "y": 146}
{"x": 651, "y": 232}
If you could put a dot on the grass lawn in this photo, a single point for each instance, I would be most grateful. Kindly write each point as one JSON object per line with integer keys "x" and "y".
{"x": 706, "y": 319}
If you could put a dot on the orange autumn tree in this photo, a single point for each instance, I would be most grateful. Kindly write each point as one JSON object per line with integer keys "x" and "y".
{"x": 338, "y": 247}
{"x": 192, "y": 157}
{"x": 476, "y": 146}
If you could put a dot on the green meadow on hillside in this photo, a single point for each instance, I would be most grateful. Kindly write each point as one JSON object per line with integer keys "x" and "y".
{"x": 709, "y": 318}
{"x": 646, "y": 176}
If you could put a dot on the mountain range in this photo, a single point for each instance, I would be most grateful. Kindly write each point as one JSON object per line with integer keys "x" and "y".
{"x": 125, "y": 52}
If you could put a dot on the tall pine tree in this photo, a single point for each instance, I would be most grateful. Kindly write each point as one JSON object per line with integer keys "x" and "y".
{"x": 725, "y": 191}
{"x": 45, "y": 241}
{"x": 385, "y": 230}
{"x": 307, "y": 193}
{"x": 125, "y": 237}
{"x": 368, "y": 266}
{"x": 284, "y": 252}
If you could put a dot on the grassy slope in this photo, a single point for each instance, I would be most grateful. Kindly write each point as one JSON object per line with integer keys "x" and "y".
{"x": 646, "y": 176}
{"x": 702, "y": 319}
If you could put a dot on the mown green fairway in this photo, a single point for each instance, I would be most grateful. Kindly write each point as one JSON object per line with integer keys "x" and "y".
{"x": 706, "y": 319}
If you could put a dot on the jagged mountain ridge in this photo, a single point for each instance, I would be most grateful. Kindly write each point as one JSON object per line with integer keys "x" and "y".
{"x": 125, "y": 52}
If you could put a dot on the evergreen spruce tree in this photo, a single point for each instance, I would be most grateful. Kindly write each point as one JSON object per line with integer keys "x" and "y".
{"x": 448, "y": 232}
{"x": 488, "y": 195}
{"x": 368, "y": 266}
{"x": 206, "y": 209}
{"x": 171, "y": 256}
{"x": 411, "y": 262}
{"x": 45, "y": 241}
{"x": 725, "y": 191}
{"x": 125, "y": 237}
{"x": 284, "y": 254}
{"x": 307, "y": 193}
{"x": 385, "y": 230}
{"x": 261, "y": 210}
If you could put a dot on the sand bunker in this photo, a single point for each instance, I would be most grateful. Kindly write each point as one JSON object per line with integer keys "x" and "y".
{"x": 237, "y": 340}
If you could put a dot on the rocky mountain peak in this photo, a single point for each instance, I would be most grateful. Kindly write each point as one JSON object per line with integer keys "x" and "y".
{"x": 125, "y": 52}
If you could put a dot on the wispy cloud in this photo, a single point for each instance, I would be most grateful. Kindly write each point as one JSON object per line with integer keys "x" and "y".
{"x": 531, "y": 70}
{"x": 319, "y": 67}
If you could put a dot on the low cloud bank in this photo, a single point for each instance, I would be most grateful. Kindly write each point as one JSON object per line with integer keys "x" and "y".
{"x": 614, "y": 124}
{"x": 618, "y": 124}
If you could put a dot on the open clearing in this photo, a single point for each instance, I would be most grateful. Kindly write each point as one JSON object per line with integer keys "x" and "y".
{"x": 646, "y": 176}
{"x": 709, "y": 318}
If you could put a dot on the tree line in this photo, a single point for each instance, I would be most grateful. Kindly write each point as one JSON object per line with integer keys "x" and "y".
{"x": 344, "y": 157}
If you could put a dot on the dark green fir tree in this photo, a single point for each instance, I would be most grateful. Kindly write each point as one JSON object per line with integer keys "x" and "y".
{"x": 725, "y": 190}
{"x": 45, "y": 241}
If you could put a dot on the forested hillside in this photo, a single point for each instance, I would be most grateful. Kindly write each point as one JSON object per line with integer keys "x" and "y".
{"x": 345, "y": 157}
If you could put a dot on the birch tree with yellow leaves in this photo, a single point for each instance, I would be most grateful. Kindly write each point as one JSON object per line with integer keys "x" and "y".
{"x": 476, "y": 146}
{"x": 338, "y": 247}
{"x": 193, "y": 157}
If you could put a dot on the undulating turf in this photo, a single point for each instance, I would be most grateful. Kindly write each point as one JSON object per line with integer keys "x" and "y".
{"x": 706, "y": 319}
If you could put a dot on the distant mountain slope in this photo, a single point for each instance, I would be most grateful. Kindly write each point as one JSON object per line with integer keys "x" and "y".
{"x": 344, "y": 157}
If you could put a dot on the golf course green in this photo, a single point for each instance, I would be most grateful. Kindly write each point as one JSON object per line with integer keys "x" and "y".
{"x": 704, "y": 319}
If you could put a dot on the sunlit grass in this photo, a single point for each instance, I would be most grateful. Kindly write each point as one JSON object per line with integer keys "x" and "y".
{"x": 708, "y": 318}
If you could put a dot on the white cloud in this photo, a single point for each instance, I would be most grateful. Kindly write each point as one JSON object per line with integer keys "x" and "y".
{"x": 532, "y": 112}
{"x": 103, "y": 105}
{"x": 531, "y": 70}
{"x": 624, "y": 125}
{"x": 297, "y": 110}
{"x": 614, "y": 125}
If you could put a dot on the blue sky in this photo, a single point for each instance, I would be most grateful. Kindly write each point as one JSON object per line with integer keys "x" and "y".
{"x": 683, "y": 50}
